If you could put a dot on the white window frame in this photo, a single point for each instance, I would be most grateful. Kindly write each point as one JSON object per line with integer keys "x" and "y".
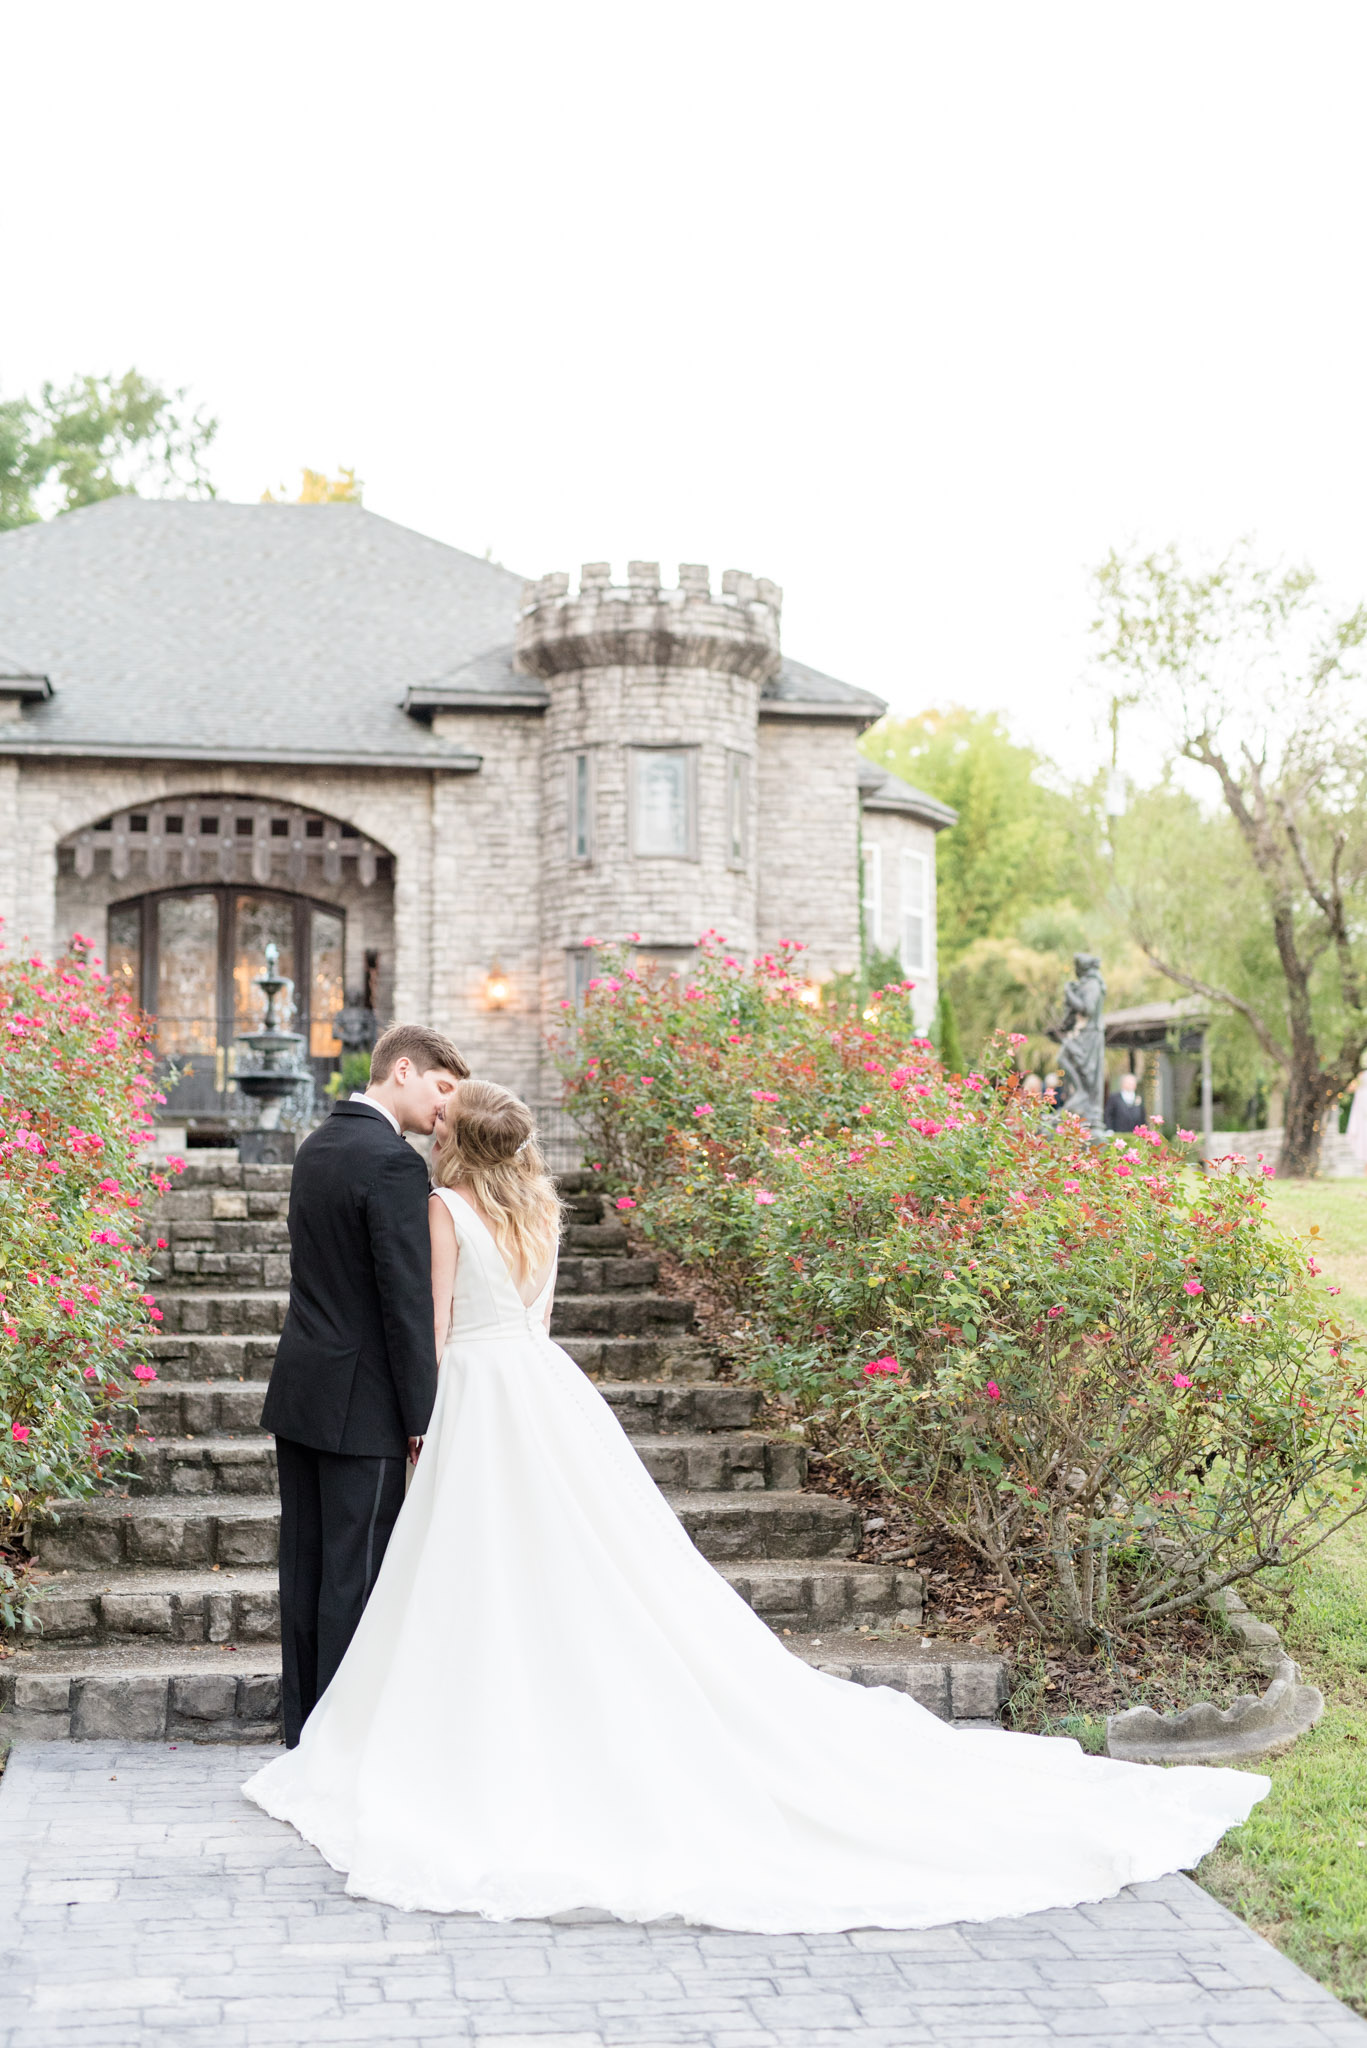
{"x": 915, "y": 880}
{"x": 581, "y": 779}
{"x": 689, "y": 755}
{"x": 579, "y": 972}
{"x": 872, "y": 859}
{"x": 737, "y": 809}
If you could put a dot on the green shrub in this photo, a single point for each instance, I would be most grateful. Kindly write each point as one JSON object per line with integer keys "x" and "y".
{"x": 74, "y": 1093}
{"x": 1111, "y": 1380}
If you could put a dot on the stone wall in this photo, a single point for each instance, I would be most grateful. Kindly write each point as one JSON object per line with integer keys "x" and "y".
{"x": 485, "y": 907}
{"x": 55, "y": 798}
{"x": 669, "y": 901}
{"x": 808, "y": 826}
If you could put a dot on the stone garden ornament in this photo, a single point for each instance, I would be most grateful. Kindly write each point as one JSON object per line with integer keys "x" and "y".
{"x": 1082, "y": 1044}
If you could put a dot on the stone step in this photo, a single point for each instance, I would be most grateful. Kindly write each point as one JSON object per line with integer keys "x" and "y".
{"x": 223, "y": 1406}
{"x": 190, "y": 1355}
{"x": 770, "y": 1525}
{"x": 728, "y": 1461}
{"x": 241, "y": 1465}
{"x": 676, "y": 1359}
{"x": 183, "y": 1533}
{"x": 221, "y": 1169}
{"x": 222, "y": 1311}
{"x": 956, "y": 1681}
{"x": 199, "y": 1266}
{"x": 242, "y": 1605}
{"x": 581, "y": 1275}
{"x": 157, "y": 1692}
{"x": 194, "y": 1531}
{"x": 731, "y": 1461}
{"x": 256, "y": 1255}
{"x": 143, "y": 1604}
{"x": 619, "y": 1315}
{"x": 142, "y": 1693}
{"x": 645, "y": 1407}
{"x": 809, "y": 1596}
{"x": 180, "y": 1408}
{"x": 600, "y": 1239}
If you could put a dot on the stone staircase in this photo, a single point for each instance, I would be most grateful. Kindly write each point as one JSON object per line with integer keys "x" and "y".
{"x": 160, "y": 1614}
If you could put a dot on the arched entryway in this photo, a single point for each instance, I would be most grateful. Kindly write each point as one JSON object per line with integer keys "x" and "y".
{"x": 190, "y": 890}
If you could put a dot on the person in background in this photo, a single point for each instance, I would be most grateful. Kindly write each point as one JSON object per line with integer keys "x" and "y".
{"x": 1125, "y": 1106}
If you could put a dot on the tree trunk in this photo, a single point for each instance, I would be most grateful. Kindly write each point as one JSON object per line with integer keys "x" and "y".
{"x": 1303, "y": 1119}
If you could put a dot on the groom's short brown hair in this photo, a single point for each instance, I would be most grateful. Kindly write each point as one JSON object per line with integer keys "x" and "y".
{"x": 426, "y": 1049}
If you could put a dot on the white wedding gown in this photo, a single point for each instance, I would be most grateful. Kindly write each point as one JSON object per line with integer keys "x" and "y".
{"x": 553, "y": 1701}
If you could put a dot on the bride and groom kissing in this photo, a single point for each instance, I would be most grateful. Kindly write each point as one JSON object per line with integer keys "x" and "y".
{"x": 513, "y": 1686}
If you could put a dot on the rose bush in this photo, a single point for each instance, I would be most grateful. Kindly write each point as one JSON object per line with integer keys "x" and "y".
{"x": 1110, "y": 1376}
{"x": 75, "y": 1087}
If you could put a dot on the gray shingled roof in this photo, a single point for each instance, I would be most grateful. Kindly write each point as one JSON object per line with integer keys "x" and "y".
{"x": 181, "y": 626}
{"x": 796, "y": 685}
{"x": 295, "y": 628}
{"x": 881, "y": 790}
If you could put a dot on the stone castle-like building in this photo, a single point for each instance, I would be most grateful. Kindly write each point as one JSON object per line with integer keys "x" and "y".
{"x": 425, "y": 780}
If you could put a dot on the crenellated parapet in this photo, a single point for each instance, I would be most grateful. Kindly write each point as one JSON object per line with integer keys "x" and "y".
{"x": 642, "y": 625}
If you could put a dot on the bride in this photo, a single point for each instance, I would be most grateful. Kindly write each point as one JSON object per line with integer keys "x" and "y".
{"x": 552, "y": 1700}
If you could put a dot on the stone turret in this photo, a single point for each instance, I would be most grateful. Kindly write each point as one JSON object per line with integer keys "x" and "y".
{"x": 650, "y": 757}
{"x": 641, "y": 625}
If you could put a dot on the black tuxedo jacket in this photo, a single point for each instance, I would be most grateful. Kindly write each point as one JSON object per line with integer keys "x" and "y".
{"x": 356, "y": 1368}
{"x": 1122, "y": 1115}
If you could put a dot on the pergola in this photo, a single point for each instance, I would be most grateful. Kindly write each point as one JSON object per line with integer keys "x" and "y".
{"x": 1167, "y": 1028}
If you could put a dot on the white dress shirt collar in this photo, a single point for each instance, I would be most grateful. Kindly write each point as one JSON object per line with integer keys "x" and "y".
{"x": 371, "y": 1103}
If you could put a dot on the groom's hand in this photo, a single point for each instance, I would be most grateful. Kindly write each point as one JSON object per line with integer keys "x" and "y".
{"x": 414, "y": 1446}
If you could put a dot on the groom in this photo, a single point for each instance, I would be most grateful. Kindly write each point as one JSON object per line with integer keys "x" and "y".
{"x": 355, "y": 1372}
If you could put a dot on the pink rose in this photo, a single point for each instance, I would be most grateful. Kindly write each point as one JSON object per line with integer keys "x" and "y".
{"x": 763, "y": 1198}
{"x": 1192, "y": 1287}
{"x": 1056, "y": 1310}
{"x": 1071, "y": 1187}
{"x": 90, "y": 1373}
{"x": 877, "y": 1366}
{"x": 624, "y": 1202}
{"x": 143, "y": 1372}
{"x": 20, "y": 1434}
{"x": 702, "y": 1109}
{"x": 994, "y": 1392}
{"x": 1179, "y": 1379}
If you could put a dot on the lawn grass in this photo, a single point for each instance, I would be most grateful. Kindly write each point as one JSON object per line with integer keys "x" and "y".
{"x": 1297, "y": 1872}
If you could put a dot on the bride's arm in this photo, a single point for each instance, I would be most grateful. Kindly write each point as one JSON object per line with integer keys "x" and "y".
{"x": 445, "y": 1252}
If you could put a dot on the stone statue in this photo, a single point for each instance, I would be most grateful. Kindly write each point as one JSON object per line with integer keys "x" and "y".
{"x": 1082, "y": 1043}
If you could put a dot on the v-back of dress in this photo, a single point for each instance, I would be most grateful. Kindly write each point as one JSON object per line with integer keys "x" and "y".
{"x": 553, "y": 1701}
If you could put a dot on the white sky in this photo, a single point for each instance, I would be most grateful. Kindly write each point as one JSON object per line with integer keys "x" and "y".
{"x": 916, "y": 308}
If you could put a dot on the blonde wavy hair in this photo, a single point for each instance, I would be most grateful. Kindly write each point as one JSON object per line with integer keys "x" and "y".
{"x": 488, "y": 1148}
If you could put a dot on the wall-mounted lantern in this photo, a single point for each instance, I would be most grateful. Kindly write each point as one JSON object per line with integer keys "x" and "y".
{"x": 498, "y": 989}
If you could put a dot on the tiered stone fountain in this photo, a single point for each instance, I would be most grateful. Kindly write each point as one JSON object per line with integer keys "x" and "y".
{"x": 278, "y": 1071}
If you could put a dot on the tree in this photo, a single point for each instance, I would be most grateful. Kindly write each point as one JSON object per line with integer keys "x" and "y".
{"x": 1018, "y": 842}
{"x": 317, "y": 488}
{"x": 1245, "y": 672}
{"x": 99, "y": 437}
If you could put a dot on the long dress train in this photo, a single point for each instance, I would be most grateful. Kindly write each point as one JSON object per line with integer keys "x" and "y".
{"x": 553, "y": 1701}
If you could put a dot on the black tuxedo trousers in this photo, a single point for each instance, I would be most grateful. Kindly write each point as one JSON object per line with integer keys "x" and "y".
{"x": 355, "y": 1376}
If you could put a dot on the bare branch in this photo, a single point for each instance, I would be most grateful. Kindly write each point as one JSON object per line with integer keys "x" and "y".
{"x": 1270, "y": 1045}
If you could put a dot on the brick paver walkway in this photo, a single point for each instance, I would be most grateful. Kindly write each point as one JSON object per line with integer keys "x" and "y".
{"x": 143, "y": 1901}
